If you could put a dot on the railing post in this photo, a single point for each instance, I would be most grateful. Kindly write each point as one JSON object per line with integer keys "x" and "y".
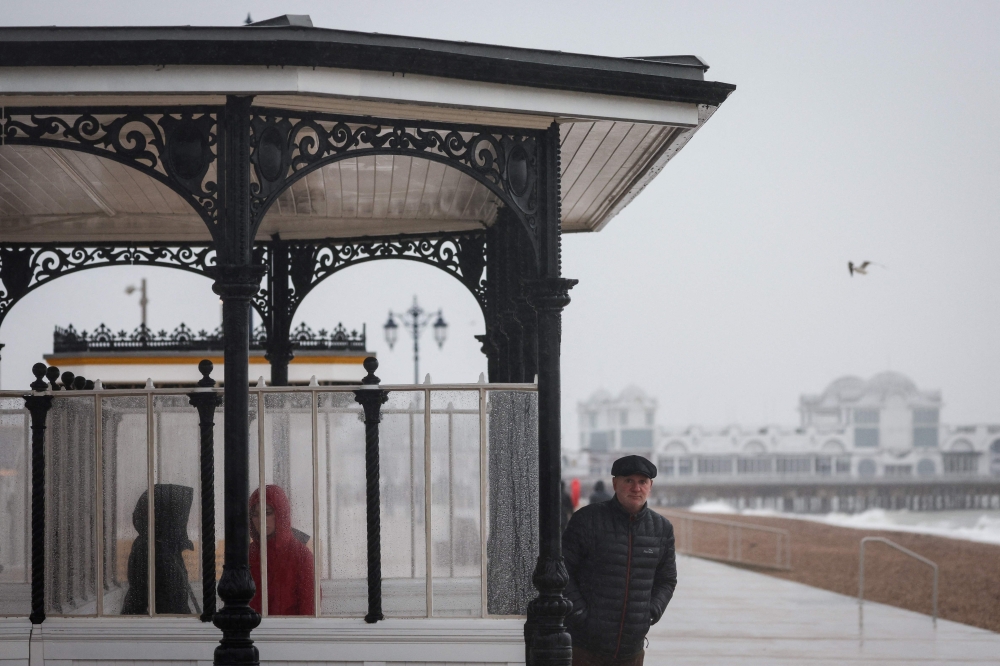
{"x": 38, "y": 406}
{"x": 206, "y": 401}
{"x": 371, "y": 398}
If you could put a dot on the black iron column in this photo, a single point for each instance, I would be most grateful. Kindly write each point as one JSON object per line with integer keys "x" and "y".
{"x": 237, "y": 280}
{"x": 371, "y": 398}
{"x": 546, "y": 640}
{"x": 279, "y": 347}
{"x": 525, "y": 313}
{"x": 206, "y": 402}
{"x": 510, "y": 341}
{"x": 488, "y": 338}
{"x": 38, "y": 406}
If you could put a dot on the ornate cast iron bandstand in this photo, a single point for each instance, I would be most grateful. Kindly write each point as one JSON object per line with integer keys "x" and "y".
{"x": 272, "y": 156}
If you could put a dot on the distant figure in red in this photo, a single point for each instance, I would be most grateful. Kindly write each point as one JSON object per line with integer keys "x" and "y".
{"x": 289, "y": 562}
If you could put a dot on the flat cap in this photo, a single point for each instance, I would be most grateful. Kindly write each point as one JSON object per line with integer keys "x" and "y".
{"x": 633, "y": 465}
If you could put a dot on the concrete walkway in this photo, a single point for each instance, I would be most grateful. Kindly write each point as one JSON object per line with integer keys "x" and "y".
{"x": 724, "y": 615}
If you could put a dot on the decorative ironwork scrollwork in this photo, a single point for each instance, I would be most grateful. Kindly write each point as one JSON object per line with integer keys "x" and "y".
{"x": 24, "y": 268}
{"x": 463, "y": 255}
{"x": 176, "y": 147}
{"x": 285, "y": 146}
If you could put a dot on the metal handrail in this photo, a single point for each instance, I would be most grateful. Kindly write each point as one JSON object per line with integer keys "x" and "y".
{"x": 906, "y": 551}
{"x": 783, "y": 544}
{"x": 338, "y": 388}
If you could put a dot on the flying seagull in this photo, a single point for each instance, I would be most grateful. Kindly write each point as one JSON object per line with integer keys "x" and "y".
{"x": 862, "y": 269}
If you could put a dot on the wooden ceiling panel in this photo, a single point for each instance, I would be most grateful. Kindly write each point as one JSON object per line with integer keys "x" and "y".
{"x": 32, "y": 183}
{"x": 416, "y": 185}
{"x": 430, "y": 197}
{"x": 627, "y": 171}
{"x": 619, "y": 148}
{"x": 316, "y": 191}
{"x": 592, "y": 158}
{"x": 348, "y": 176}
{"x": 601, "y": 163}
{"x": 402, "y": 172}
{"x": 383, "y": 174}
{"x": 572, "y": 137}
{"x": 386, "y": 187}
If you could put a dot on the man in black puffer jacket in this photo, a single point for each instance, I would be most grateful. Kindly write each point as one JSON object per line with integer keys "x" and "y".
{"x": 622, "y": 570}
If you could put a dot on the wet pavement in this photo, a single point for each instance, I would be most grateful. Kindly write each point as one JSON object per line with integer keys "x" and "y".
{"x": 725, "y": 615}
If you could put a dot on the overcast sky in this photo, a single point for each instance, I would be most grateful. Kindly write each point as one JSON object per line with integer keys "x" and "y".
{"x": 858, "y": 131}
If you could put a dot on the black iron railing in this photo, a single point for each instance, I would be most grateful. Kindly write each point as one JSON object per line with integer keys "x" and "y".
{"x": 408, "y": 502}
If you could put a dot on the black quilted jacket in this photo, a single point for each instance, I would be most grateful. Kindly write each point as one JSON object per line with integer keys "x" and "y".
{"x": 622, "y": 575}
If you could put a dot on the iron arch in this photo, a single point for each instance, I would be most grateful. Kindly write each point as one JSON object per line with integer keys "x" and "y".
{"x": 461, "y": 255}
{"x": 26, "y": 267}
{"x": 286, "y": 146}
{"x": 173, "y": 145}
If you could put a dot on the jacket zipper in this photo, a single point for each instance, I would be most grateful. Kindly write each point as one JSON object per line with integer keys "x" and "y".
{"x": 628, "y": 583}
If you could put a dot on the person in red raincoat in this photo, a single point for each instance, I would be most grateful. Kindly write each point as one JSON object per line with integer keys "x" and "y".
{"x": 289, "y": 562}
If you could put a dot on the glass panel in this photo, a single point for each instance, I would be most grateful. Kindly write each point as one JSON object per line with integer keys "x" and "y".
{"x": 288, "y": 473}
{"x": 343, "y": 526}
{"x": 401, "y": 463}
{"x": 70, "y": 529}
{"x": 125, "y": 482}
{"x": 15, "y": 508}
{"x": 455, "y": 533}
{"x": 220, "y": 482}
{"x": 512, "y": 534}
{"x": 177, "y": 505}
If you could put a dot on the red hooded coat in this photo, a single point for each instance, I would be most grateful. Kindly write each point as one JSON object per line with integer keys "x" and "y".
{"x": 289, "y": 562}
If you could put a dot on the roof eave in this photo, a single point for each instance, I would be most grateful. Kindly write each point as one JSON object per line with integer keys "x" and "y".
{"x": 304, "y": 47}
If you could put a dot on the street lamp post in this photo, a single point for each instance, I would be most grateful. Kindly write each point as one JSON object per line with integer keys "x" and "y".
{"x": 416, "y": 320}
{"x": 143, "y": 301}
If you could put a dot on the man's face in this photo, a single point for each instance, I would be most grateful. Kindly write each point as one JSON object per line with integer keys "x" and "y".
{"x": 632, "y": 491}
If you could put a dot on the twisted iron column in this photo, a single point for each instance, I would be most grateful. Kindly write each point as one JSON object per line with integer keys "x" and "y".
{"x": 371, "y": 398}
{"x": 206, "y": 402}
{"x": 38, "y": 406}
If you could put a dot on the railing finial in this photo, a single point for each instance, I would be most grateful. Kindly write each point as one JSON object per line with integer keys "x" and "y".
{"x": 52, "y": 374}
{"x": 67, "y": 380}
{"x": 205, "y": 367}
{"x": 371, "y": 365}
{"x": 38, "y": 370}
